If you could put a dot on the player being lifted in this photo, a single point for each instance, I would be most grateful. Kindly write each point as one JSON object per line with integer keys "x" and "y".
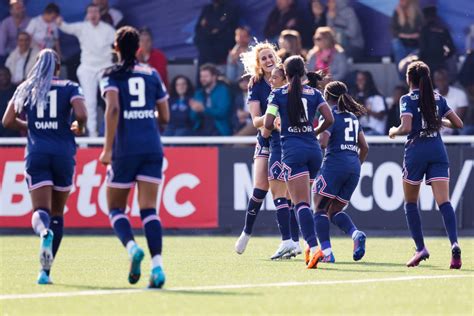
{"x": 133, "y": 150}
{"x": 346, "y": 150}
{"x": 301, "y": 154}
{"x": 423, "y": 112}
{"x": 259, "y": 62}
{"x": 51, "y": 148}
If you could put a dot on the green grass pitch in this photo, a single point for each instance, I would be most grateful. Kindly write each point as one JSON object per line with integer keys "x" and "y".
{"x": 90, "y": 275}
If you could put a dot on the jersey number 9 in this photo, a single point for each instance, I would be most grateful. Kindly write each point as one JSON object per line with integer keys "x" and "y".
{"x": 136, "y": 88}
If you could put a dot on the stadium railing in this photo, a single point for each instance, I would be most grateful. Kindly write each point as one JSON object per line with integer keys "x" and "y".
{"x": 230, "y": 140}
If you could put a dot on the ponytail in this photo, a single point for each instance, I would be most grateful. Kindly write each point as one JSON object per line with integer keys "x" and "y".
{"x": 34, "y": 90}
{"x": 314, "y": 77}
{"x": 294, "y": 68}
{"x": 337, "y": 92}
{"x": 419, "y": 75}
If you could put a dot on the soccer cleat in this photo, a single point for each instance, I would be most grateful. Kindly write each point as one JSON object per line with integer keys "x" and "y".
{"x": 43, "y": 278}
{"x": 241, "y": 243}
{"x": 313, "y": 262}
{"x": 297, "y": 250}
{"x": 359, "y": 246}
{"x": 284, "y": 251}
{"x": 418, "y": 257}
{"x": 456, "y": 262}
{"x": 329, "y": 259}
{"x": 157, "y": 278}
{"x": 46, "y": 249}
{"x": 136, "y": 257}
{"x": 307, "y": 255}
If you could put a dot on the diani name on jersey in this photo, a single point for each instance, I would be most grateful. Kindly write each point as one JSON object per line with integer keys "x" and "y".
{"x": 46, "y": 125}
{"x": 138, "y": 114}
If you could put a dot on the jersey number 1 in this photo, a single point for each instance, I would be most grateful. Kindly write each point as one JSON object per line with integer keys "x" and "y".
{"x": 52, "y": 104}
{"x": 352, "y": 126}
{"x": 136, "y": 88}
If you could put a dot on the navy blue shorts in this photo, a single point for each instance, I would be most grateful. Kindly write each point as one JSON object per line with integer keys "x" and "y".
{"x": 262, "y": 147}
{"x": 425, "y": 158}
{"x": 47, "y": 169}
{"x": 302, "y": 162}
{"x": 336, "y": 185}
{"x": 125, "y": 171}
{"x": 275, "y": 165}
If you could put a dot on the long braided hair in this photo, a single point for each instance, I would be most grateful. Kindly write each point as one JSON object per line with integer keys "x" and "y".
{"x": 418, "y": 74}
{"x": 337, "y": 92}
{"x": 33, "y": 91}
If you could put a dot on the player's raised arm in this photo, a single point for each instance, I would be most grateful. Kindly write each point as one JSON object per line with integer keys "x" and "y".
{"x": 12, "y": 121}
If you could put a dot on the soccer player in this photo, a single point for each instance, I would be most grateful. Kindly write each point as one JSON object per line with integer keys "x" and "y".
{"x": 51, "y": 148}
{"x": 423, "y": 113}
{"x": 259, "y": 62}
{"x": 301, "y": 154}
{"x": 346, "y": 150}
{"x": 133, "y": 150}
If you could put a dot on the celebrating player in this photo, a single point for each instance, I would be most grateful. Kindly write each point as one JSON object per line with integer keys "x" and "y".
{"x": 133, "y": 150}
{"x": 259, "y": 62}
{"x": 301, "y": 154}
{"x": 51, "y": 148}
{"x": 423, "y": 113}
{"x": 346, "y": 150}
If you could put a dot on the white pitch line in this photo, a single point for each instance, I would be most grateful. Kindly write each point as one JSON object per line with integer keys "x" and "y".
{"x": 229, "y": 287}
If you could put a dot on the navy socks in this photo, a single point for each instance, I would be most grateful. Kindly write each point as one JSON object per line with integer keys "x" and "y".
{"x": 153, "y": 230}
{"x": 449, "y": 219}
{"x": 57, "y": 226}
{"x": 283, "y": 217}
{"x": 121, "y": 224}
{"x": 306, "y": 223}
{"x": 414, "y": 224}
{"x": 255, "y": 203}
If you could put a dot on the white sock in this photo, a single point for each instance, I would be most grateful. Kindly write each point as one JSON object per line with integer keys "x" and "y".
{"x": 313, "y": 249}
{"x": 130, "y": 245}
{"x": 156, "y": 261}
{"x": 327, "y": 251}
{"x": 354, "y": 234}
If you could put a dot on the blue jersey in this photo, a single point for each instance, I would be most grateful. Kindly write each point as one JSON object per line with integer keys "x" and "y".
{"x": 342, "y": 150}
{"x": 259, "y": 91}
{"x": 409, "y": 105}
{"x": 139, "y": 91}
{"x": 295, "y": 136}
{"x": 49, "y": 130}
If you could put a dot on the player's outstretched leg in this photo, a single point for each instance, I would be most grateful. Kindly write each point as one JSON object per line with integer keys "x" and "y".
{"x": 294, "y": 229}
{"x": 414, "y": 224}
{"x": 313, "y": 254}
{"x": 287, "y": 247}
{"x": 255, "y": 203}
{"x": 154, "y": 238}
{"x": 321, "y": 223}
{"x": 40, "y": 221}
{"x": 121, "y": 224}
{"x": 344, "y": 222}
{"x": 449, "y": 219}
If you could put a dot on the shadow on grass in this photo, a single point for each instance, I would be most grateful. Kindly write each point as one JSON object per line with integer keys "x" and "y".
{"x": 165, "y": 290}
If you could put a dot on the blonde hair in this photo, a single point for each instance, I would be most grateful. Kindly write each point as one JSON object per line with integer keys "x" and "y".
{"x": 412, "y": 11}
{"x": 251, "y": 61}
{"x": 327, "y": 33}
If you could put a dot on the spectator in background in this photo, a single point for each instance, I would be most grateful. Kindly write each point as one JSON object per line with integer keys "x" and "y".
{"x": 107, "y": 14}
{"x": 406, "y": 26}
{"x": 11, "y": 26}
{"x": 470, "y": 39}
{"x": 466, "y": 78}
{"x": 290, "y": 44}
{"x": 327, "y": 55}
{"x": 436, "y": 44}
{"x": 96, "y": 39}
{"x": 7, "y": 89}
{"x": 318, "y": 18}
{"x": 455, "y": 97}
{"x": 152, "y": 56}
{"x": 243, "y": 125}
{"x": 342, "y": 18}
{"x": 22, "y": 59}
{"x": 283, "y": 16}
{"x": 181, "y": 91}
{"x": 367, "y": 94}
{"x": 393, "y": 115}
{"x": 211, "y": 105}
{"x": 44, "y": 30}
{"x": 235, "y": 68}
{"x": 214, "y": 32}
